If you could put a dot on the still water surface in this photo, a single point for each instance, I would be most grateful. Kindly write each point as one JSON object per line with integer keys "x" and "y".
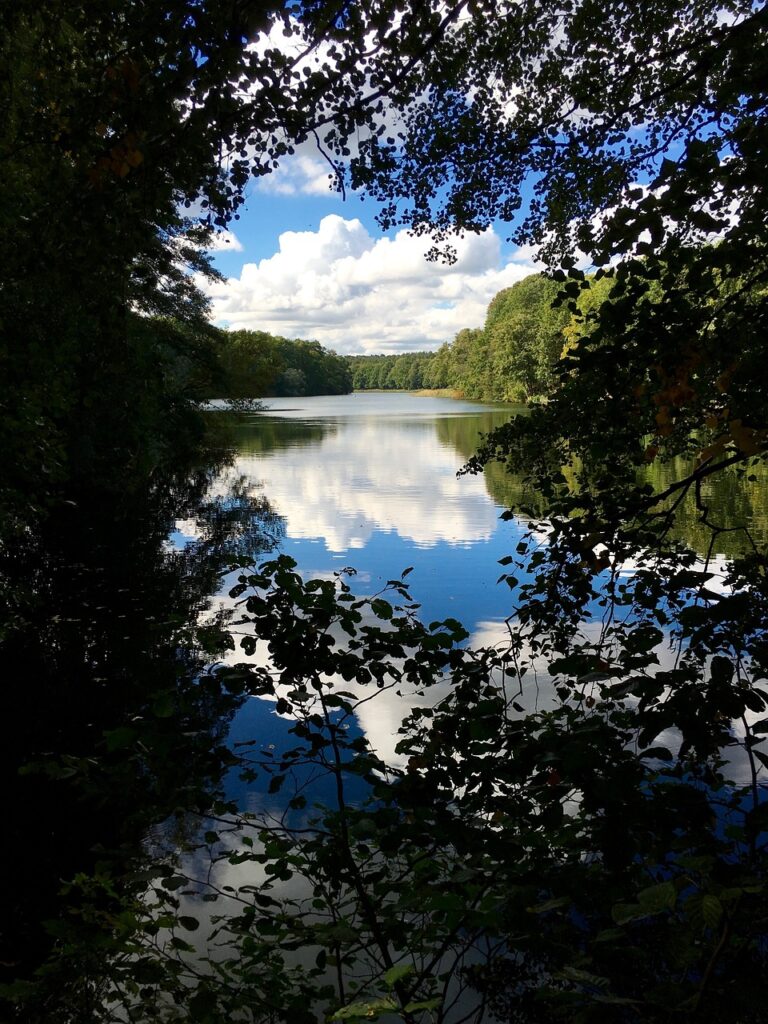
{"x": 370, "y": 481}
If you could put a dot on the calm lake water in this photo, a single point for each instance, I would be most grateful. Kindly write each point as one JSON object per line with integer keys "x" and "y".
{"x": 104, "y": 629}
{"x": 370, "y": 481}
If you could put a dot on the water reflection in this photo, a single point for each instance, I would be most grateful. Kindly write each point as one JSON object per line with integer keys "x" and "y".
{"x": 113, "y": 721}
{"x": 735, "y": 502}
{"x": 109, "y": 700}
{"x": 371, "y": 479}
{"x": 359, "y": 478}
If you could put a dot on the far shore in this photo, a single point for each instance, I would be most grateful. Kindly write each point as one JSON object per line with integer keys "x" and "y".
{"x": 419, "y": 393}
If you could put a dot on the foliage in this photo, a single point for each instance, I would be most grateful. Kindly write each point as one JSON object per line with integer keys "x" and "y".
{"x": 257, "y": 364}
{"x": 512, "y": 359}
{"x": 103, "y": 641}
{"x": 399, "y": 372}
{"x": 557, "y": 863}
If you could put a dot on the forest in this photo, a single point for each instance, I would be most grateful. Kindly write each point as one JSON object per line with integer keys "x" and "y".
{"x": 602, "y": 858}
{"x": 512, "y": 358}
{"x": 255, "y": 364}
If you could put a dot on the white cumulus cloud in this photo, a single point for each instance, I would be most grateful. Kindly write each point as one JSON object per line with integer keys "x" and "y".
{"x": 304, "y": 173}
{"x": 356, "y": 293}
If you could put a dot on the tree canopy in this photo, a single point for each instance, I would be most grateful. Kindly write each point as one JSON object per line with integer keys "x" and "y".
{"x": 257, "y": 364}
{"x": 511, "y": 359}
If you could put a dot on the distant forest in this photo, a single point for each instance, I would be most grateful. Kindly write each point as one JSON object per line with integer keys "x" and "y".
{"x": 510, "y": 359}
{"x": 257, "y": 364}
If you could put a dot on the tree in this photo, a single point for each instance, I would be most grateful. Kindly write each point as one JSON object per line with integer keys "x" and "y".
{"x": 128, "y": 135}
{"x": 292, "y": 382}
{"x": 635, "y": 809}
{"x": 525, "y": 338}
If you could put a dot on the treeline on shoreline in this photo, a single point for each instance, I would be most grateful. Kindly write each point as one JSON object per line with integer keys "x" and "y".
{"x": 256, "y": 364}
{"x": 511, "y": 358}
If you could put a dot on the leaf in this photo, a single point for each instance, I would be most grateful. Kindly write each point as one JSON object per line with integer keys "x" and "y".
{"x": 396, "y": 973}
{"x": 583, "y": 977}
{"x": 202, "y": 1004}
{"x": 553, "y": 904}
{"x": 704, "y": 910}
{"x": 711, "y": 910}
{"x": 659, "y": 897}
{"x": 191, "y": 924}
{"x": 275, "y": 783}
{"x": 615, "y": 1000}
{"x": 164, "y": 706}
{"x": 381, "y": 609}
{"x": 116, "y": 739}
{"x": 657, "y": 753}
{"x": 623, "y": 913}
{"x": 368, "y": 1011}
{"x": 174, "y": 882}
{"x": 721, "y": 669}
{"x": 424, "y": 1004}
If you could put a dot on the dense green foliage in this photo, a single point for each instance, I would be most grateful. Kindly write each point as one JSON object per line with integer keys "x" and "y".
{"x": 511, "y": 359}
{"x": 598, "y": 858}
{"x": 406, "y": 372}
{"x": 562, "y": 863}
{"x": 257, "y": 364}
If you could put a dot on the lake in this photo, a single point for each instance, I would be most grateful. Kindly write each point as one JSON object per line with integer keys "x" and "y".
{"x": 370, "y": 481}
{"x": 125, "y": 723}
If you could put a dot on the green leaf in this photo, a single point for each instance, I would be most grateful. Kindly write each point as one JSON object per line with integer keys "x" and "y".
{"x": 656, "y": 898}
{"x": 704, "y": 910}
{"x": 584, "y": 977}
{"x": 623, "y": 913}
{"x": 711, "y": 910}
{"x": 164, "y": 706}
{"x": 381, "y": 609}
{"x": 423, "y": 1004}
{"x": 116, "y": 739}
{"x": 553, "y": 904}
{"x": 367, "y": 1011}
{"x": 396, "y": 973}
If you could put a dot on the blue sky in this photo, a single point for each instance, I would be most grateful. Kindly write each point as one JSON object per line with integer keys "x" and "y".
{"x": 303, "y": 262}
